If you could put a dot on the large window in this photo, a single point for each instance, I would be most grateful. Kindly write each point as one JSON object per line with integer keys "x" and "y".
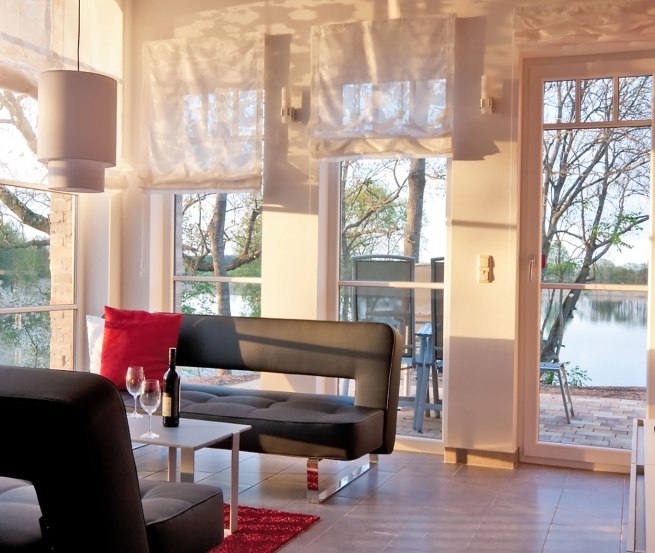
{"x": 217, "y": 269}
{"x": 218, "y": 254}
{"x": 37, "y": 249}
{"x": 393, "y": 232}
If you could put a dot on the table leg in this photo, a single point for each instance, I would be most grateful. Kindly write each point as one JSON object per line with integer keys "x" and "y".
{"x": 172, "y": 463}
{"x": 187, "y": 470}
{"x": 234, "y": 483}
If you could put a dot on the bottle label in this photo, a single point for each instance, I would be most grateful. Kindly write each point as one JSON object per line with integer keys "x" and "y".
{"x": 167, "y": 405}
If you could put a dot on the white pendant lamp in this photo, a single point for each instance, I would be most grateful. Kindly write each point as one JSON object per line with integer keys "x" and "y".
{"x": 77, "y": 129}
{"x": 76, "y": 133}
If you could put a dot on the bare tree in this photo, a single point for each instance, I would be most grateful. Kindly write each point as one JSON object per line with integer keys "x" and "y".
{"x": 595, "y": 178}
{"x": 221, "y": 236}
{"x": 416, "y": 191}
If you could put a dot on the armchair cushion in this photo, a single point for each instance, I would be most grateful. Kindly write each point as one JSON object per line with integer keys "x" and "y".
{"x": 19, "y": 517}
{"x": 174, "y": 513}
{"x": 182, "y": 517}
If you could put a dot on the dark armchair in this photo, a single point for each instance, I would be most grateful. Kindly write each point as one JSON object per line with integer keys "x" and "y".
{"x": 67, "y": 434}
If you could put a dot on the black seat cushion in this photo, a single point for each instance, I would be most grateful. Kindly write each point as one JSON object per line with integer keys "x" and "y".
{"x": 19, "y": 517}
{"x": 182, "y": 517}
{"x": 289, "y": 423}
{"x": 179, "y": 517}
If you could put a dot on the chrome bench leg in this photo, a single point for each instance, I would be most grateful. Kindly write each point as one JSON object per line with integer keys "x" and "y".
{"x": 316, "y": 495}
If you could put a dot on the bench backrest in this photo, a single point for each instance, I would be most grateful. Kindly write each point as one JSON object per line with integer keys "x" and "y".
{"x": 66, "y": 432}
{"x": 367, "y": 352}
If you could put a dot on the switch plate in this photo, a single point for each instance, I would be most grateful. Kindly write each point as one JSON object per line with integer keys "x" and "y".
{"x": 485, "y": 268}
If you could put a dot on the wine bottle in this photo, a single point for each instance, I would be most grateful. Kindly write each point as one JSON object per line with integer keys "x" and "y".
{"x": 170, "y": 408}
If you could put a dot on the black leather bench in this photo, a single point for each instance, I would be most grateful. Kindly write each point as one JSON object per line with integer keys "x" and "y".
{"x": 316, "y": 426}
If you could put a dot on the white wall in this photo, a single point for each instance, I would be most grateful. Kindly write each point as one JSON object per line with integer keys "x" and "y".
{"x": 483, "y": 198}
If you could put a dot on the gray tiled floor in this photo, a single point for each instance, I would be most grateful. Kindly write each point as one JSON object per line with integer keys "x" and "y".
{"x": 415, "y": 503}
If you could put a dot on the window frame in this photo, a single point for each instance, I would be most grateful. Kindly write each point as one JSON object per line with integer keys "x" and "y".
{"x": 175, "y": 278}
{"x": 74, "y": 306}
{"x": 534, "y": 72}
{"x": 329, "y": 174}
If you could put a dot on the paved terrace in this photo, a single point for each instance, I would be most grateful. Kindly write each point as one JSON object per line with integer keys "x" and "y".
{"x": 603, "y": 417}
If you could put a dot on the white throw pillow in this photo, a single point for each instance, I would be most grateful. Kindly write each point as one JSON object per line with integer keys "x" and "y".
{"x": 95, "y": 328}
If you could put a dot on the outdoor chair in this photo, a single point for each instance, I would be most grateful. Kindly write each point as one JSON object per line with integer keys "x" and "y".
{"x": 559, "y": 370}
{"x": 394, "y": 306}
{"x": 429, "y": 361}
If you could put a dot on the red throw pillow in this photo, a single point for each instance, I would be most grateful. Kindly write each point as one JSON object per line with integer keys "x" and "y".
{"x": 137, "y": 338}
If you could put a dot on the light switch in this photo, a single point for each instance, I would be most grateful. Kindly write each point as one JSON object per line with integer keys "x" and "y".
{"x": 485, "y": 268}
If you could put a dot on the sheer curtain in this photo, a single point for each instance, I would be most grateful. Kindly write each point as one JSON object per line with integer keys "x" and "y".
{"x": 588, "y": 25}
{"x": 382, "y": 88}
{"x": 36, "y": 35}
{"x": 205, "y": 114}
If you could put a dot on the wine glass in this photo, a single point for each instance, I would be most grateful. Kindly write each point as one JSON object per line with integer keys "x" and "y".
{"x": 150, "y": 398}
{"x": 134, "y": 379}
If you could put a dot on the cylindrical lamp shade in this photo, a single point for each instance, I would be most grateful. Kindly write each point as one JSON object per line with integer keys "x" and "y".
{"x": 76, "y": 175}
{"x": 76, "y": 128}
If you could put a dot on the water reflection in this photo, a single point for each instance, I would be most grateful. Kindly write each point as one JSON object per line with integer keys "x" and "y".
{"x": 626, "y": 311}
{"x": 607, "y": 338}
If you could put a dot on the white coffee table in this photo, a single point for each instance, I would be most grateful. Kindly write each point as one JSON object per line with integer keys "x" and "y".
{"x": 191, "y": 435}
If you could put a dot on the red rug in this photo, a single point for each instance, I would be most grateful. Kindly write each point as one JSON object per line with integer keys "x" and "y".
{"x": 263, "y": 530}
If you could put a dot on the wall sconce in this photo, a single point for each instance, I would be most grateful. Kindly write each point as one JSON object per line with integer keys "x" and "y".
{"x": 486, "y": 101}
{"x": 76, "y": 133}
{"x": 291, "y": 104}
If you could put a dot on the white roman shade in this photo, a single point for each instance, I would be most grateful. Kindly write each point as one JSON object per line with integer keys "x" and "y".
{"x": 383, "y": 88}
{"x": 204, "y": 114}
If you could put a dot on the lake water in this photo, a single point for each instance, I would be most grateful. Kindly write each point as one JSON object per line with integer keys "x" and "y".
{"x": 607, "y": 338}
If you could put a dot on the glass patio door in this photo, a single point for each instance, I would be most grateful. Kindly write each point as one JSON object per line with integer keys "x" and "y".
{"x": 586, "y": 212}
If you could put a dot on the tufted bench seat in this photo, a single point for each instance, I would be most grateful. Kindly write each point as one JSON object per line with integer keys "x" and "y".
{"x": 288, "y": 423}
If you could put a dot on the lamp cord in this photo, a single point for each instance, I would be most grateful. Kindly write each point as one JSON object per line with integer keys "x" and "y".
{"x": 79, "y": 19}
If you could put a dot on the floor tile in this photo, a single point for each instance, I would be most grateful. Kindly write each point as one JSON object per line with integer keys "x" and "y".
{"x": 414, "y": 503}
